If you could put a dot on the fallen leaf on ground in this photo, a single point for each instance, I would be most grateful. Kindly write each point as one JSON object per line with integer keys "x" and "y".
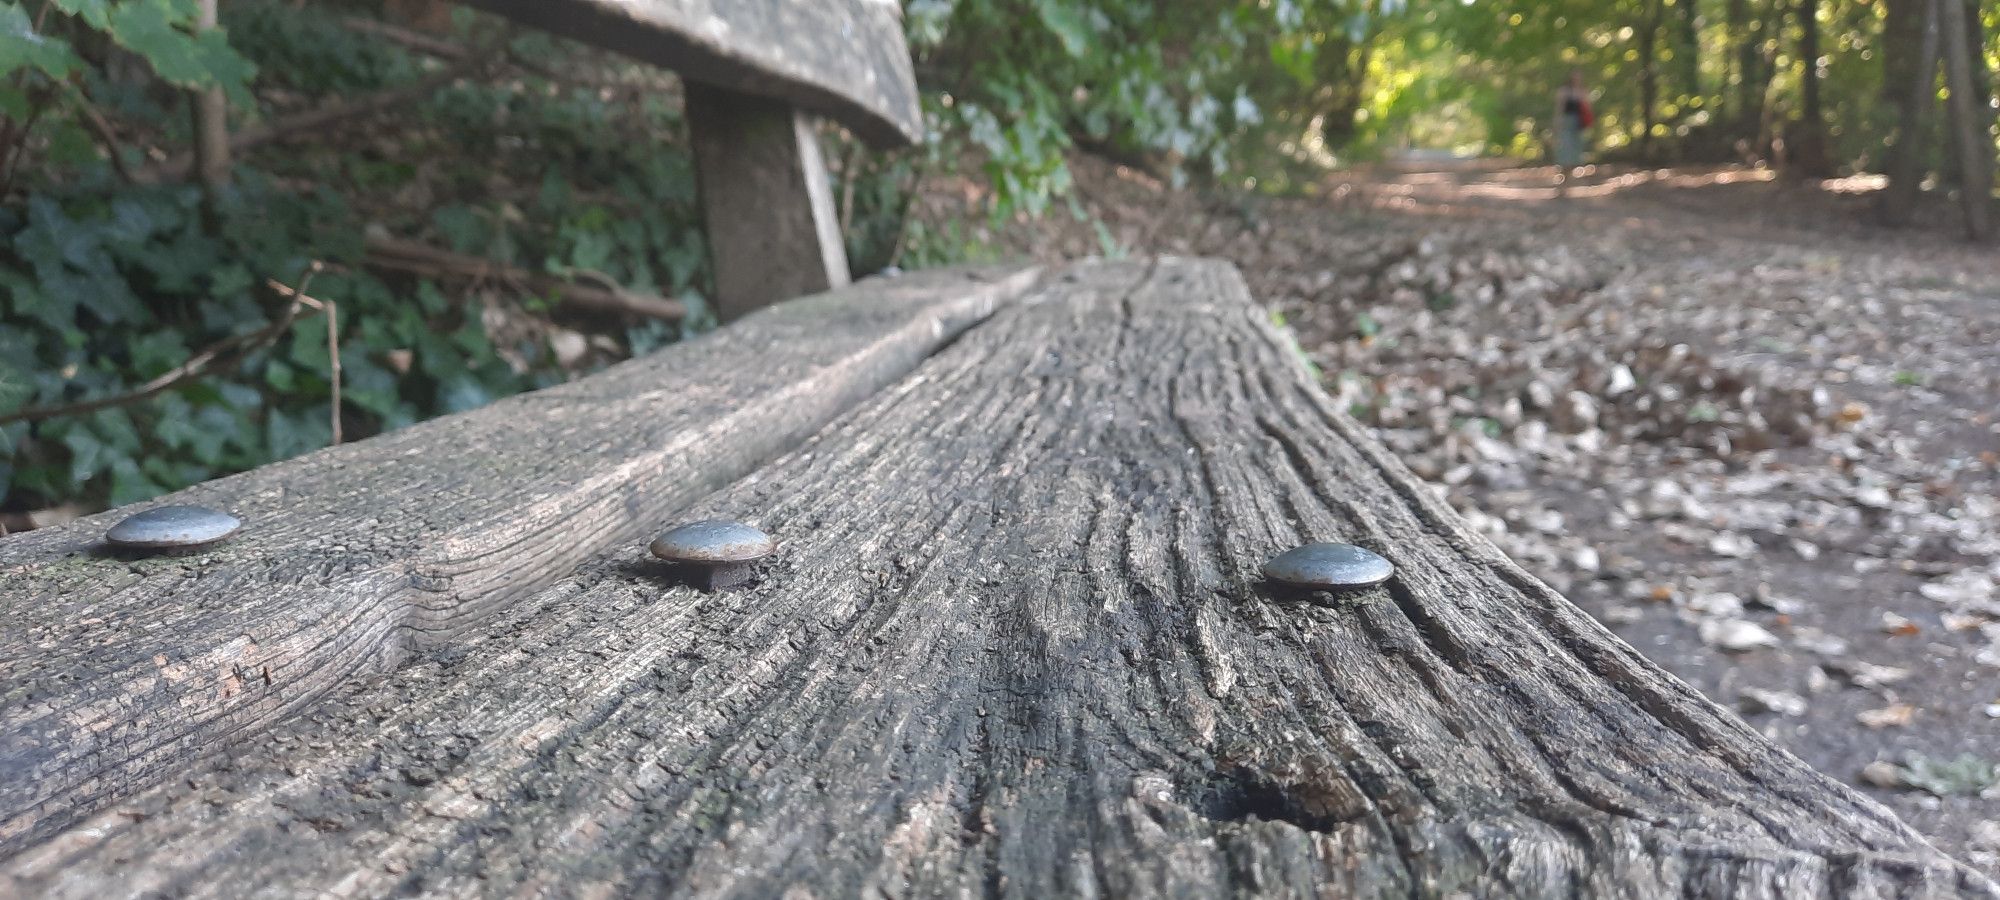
{"x": 1883, "y": 774}
{"x": 1784, "y": 703}
{"x": 1736, "y": 635}
{"x": 1866, "y": 674}
{"x": 1897, "y": 626}
{"x": 1895, "y": 715}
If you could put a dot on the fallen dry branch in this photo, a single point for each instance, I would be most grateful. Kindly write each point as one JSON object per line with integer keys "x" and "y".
{"x": 311, "y": 122}
{"x": 299, "y": 297}
{"x": 422, "y": 259}
{"x": 221, "y": 354}
{"x": 429, "y": 45}
{"x": 441, "y": 48}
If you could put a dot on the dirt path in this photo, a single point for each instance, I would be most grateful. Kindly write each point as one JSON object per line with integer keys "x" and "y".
{"x": 1752, "y": 434}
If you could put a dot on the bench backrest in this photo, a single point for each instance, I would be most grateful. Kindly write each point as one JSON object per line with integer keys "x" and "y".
{"x": 844, "y": 59}
{"x": 753, "y": 69}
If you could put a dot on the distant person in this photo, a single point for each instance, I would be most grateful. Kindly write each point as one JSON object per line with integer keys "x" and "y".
{"x": 1573, "y": 115}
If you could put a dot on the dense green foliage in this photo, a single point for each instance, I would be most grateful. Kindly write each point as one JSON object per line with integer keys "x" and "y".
{"x": 1220, "y": 87}
{"x": 1200, "y": 87}
{"x": 1700, "y": 79}
{"x": 554, "y": 158}
{"x": 109, "y": 284}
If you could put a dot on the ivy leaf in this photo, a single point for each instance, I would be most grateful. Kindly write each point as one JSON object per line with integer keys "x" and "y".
{"x": 130, "y": 222}
{"x": 226, "y": 67}
{"x": 95, "y": 13}
{"x": 22, "y": 47}
{"x": 215, "y": 427}
{"x": 150, "y": 29}
{"x": 86, "y": 454}
{"x": 129, "y": 484}
{"x": 14, "y": 103}
{"x": 288, "y": 434}
{"x": 72, "y": 267}
{"x": 154, "y": 29}
{"x": 69, "y": 144}
{"x": 431, "y": 300}
{"x": 367, "y": 385}
{"x": 115, "y": 429}
{"x": 279, "y": 375}
{"x": 309, "y": 350}
{"x": 463, "y": 393}
{"x": 926, "y": 22}
{"x": 1068, "y": 23}
{"x": 593, "y": 251}
{"x": 461, "y": 227}
{"x": 683, "y": 260}
{"x": 16, "y": 388}
{"x": 10, "y": 437}
{"x": 155, "y": 352}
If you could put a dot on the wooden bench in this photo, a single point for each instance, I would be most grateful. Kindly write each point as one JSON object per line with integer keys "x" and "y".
{"x": 1014, "y": 642}
{"x": 754, "y": 71}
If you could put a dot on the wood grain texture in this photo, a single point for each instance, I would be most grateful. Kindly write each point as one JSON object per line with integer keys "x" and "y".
{"x": 1013, "y": 644}
{"x": 117, "y": 672}
{"x": 845, "y": 59}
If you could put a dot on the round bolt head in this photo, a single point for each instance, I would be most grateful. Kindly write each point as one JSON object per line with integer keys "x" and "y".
{"x": 172, "y": 527}
{"x": 1329, "y": 567}
{"x": 713, "y": 542}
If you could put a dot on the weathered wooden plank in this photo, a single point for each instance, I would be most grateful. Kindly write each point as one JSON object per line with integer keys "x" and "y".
{"x": 843, "y": 58}
{"x": 114, "y": 673}
{"x": 773, "y": 232}
{"x": 1014, "y": 645}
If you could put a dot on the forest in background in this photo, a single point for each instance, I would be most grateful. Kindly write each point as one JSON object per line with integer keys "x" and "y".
{"x": 234, "y": 232}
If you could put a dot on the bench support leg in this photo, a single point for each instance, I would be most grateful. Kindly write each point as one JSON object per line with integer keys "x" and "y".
{"x": 773, "y": 233}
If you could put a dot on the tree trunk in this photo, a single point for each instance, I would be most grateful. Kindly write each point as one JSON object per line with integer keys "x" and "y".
{"x": 1770, "y": 30}
{"x": 1980, "y": 92}
{"x": 1347, "y": 88}
{"x": 1982, "y": 77}
{"x": 211, "y": 121}
{"x": 1749, "y": 31}
{"x": 1649, "y": 81}
{"x": 1808, "y": 148}
{"x": 1737, "y": 28}
{"x": 1687, "y": 50}
{"x": 1971, "y": 141}
{"x": 1909, "y": 64}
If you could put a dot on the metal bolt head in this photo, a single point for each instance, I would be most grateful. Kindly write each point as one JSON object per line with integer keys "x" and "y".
{"x": 172, "y": 528}
{"x": 713, "y": 541}
{"x": 1329, "y": 567}
{"x": 718, "y": 551}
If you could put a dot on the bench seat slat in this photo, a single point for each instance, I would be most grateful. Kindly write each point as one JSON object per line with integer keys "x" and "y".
{"x": 1013, "y": 644}
{"x": 115, "y": 672}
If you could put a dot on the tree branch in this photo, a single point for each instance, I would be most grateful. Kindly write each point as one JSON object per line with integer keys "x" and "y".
{"x": 100, "y": 128}
{"x": 211, "y": 120}
{"x": 223, "y": 353}
{"x": 302, "y": 124}
{"x": 421, "y": 259}
{"x": 408, "y": 38}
